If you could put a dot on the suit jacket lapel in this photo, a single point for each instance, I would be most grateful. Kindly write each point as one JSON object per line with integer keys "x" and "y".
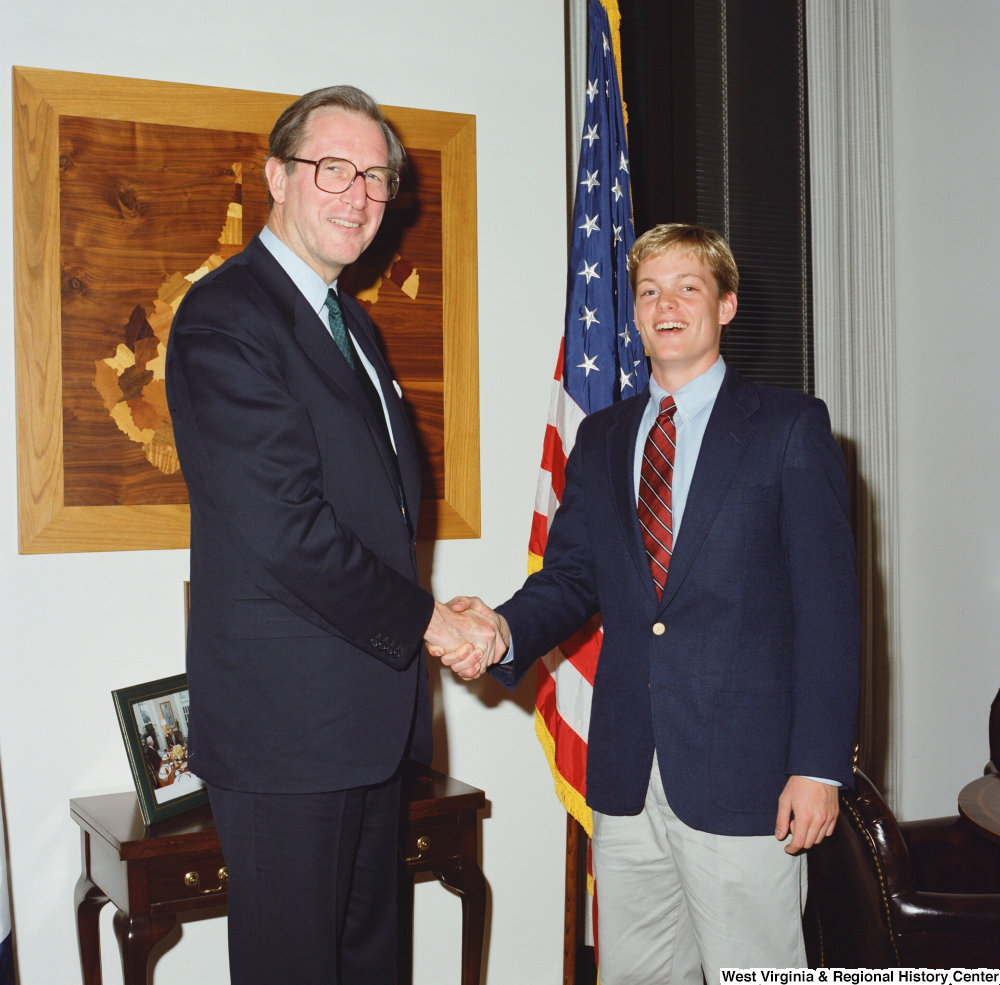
{"x": 726, "y": 438}
{"x": 306, "y": 325}
{"x": 621, "y": 462}
{"x": 315, "y": 338}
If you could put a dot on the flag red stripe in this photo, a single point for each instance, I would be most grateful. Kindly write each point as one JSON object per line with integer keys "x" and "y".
{"x": 583, "y": 648}
{"x": 554, "y": 460}
{"x": 571, "y": 750}
{"x": 539, "y": 534}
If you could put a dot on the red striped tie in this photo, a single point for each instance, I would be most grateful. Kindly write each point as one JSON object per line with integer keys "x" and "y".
{"x": 655, "y": 479}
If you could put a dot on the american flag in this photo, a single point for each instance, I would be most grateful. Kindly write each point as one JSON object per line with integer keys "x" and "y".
{"x": 601, "y": 361}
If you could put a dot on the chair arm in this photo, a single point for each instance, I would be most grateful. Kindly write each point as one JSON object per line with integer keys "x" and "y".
{"x": 948, "y": 856}
{"x": 968, "y": 913}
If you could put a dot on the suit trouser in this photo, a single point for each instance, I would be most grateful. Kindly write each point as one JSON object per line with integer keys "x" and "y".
{"x": 673, "y": 900}
{"x": 312, "y": 885}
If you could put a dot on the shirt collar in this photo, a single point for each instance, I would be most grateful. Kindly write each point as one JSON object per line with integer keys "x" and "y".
{"x": 696, "y": 394}
{"x": 312, "y": 286}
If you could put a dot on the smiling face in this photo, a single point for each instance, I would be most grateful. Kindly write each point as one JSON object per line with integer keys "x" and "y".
{"x": 680, "y": 316}
{"x": 328, "y": 231}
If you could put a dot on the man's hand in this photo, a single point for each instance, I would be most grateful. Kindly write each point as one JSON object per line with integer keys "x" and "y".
{"x": 809, "y": 810}
{"x": 466, "y": 636}
{"x": 467, "y": 661}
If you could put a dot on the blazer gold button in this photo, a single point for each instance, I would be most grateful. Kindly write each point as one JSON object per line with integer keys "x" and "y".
{"x": 659, "y": 628}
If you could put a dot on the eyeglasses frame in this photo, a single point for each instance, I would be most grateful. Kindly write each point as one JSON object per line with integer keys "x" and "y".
{"x": 357, "y": 172}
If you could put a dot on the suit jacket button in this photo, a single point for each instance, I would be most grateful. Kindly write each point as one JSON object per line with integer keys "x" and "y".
{"x": 659, "y": 629}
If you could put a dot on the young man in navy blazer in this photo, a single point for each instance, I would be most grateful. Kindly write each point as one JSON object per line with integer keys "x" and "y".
{"x": 723, "y": 713}
{"x": 306, "y": 613}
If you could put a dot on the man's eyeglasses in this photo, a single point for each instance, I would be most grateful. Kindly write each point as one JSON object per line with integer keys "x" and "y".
{"x": 335, "y": 175}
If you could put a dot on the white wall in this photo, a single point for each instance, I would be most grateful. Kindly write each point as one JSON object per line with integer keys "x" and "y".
{"x": 946, "y": 158}
{"x": 73, "y": 627}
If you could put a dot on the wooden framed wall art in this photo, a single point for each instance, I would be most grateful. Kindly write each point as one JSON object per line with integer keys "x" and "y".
{"x": 126, "y": 191}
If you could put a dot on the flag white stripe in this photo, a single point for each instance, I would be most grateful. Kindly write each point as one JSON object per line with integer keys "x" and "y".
{"x": 573, "y": 692}
{"x": 543, "y": 492}
{"x": 567, "y": 420}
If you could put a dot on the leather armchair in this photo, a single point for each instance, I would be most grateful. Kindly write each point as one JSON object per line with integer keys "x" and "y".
{"x": 991, "y": 766}
{"x": 922, "y": 894}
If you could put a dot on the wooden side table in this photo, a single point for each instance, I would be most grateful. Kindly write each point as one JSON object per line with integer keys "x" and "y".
{"x": 152, "y": 874}
{"x": 979, "y": 804}
{"x": 441, "y": 835}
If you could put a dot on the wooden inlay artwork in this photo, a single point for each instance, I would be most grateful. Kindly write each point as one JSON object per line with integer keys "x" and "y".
{"x": 126, "y": 192}
{"x": 146, "y": 210}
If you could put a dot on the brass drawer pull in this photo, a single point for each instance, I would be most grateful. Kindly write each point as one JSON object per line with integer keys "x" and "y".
{"x": 423, "y": 843}
{"x": 192, "y": 879}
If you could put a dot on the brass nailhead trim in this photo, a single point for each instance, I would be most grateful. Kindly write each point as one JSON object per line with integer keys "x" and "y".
{"x": 881, "y": 881}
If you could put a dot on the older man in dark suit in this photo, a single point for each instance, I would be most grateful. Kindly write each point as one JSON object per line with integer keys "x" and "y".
{"x": 707, "y": 520}
{"x": 305, "y": 608}
{"x": 153, "y": 760}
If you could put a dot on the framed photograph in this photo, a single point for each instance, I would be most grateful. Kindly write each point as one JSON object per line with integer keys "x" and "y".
{"x": 126, "y": 192}
{"x": 154, "y": 722}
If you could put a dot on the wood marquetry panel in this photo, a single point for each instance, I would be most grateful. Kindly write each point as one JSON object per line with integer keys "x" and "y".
{"x": 140, "y": 205}
{"x": 126, "y": 191}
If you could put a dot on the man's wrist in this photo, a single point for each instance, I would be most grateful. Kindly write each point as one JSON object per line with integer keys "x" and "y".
{"x": 819, "y": 779}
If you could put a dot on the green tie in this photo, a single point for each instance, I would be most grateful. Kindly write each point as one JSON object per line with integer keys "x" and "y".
{"x": 339, "y": 331}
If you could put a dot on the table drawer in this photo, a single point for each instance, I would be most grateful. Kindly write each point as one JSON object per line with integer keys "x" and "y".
{"x": 426, "y": 843}
{"x": 194, "y": 877}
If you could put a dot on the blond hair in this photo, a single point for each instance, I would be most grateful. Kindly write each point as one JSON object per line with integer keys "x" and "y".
{"x": 705, "y": 244}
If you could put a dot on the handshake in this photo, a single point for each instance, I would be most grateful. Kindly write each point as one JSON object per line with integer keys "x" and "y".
{"x": 467, "y": 635}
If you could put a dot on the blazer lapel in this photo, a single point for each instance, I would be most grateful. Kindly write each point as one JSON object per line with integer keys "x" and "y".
{"x": 726, "y": 438}
{"x": 621, "y": 462}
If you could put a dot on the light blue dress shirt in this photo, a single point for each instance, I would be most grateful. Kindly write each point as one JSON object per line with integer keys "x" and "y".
{"x": 314, "y": 290}
{"x": 694, "y": 401}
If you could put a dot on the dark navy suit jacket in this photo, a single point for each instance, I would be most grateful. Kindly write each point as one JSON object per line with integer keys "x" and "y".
{"x": 755, "y": 676}
{"x": 306, "y": 617}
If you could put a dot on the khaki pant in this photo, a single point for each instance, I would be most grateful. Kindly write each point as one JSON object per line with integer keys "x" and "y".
{"x": 673, "y": 901}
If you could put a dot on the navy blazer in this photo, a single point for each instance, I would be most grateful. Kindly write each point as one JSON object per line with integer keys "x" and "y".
{"x": 306, "y": 618}
{"x": 755, "y": 676}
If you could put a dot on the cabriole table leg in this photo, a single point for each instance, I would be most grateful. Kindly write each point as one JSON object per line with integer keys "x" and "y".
{"x": 89, "y": 900}
{"x": 136, "y": 937}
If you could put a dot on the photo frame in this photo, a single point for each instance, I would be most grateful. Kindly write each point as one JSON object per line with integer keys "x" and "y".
{"x": 96, "y": 467}
{"x": 157, "y": 747}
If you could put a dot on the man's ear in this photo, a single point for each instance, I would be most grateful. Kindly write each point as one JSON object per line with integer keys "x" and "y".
{"x": 274, "y": 171}
{"x": 727, "y": 309}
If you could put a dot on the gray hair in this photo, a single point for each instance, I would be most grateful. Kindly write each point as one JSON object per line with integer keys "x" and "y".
{"x": 289, "y": 129}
